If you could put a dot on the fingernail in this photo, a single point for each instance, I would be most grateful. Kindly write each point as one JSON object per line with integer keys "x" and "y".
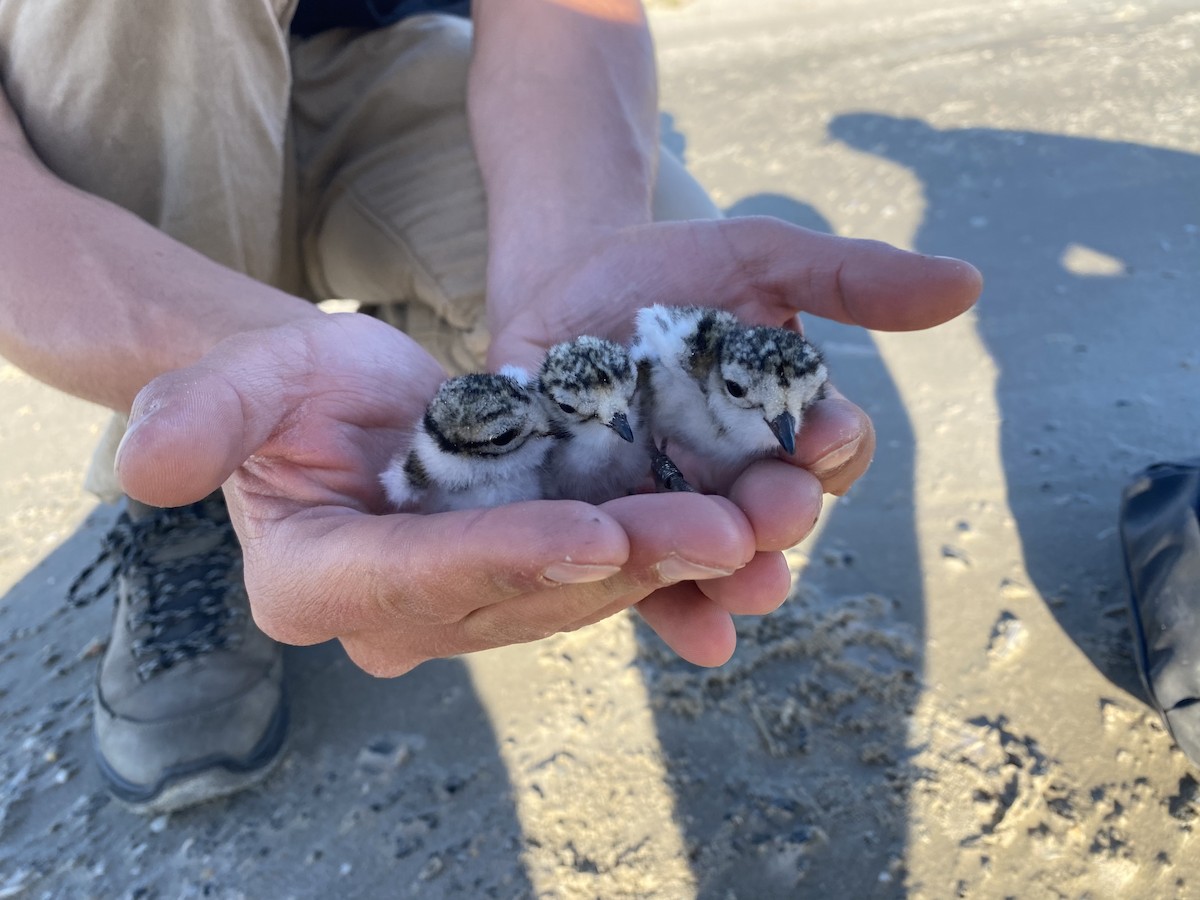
{"x": 578, "y": 573}
{"x": 130, "y": 427}
{"x": 675, "y": 568}
{"x": 835, "y": 459}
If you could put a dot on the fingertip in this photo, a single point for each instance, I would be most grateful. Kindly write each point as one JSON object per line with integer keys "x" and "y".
{"x": 781, "y": 502}
{"x": 691, "y": 624}
{"x": 961, "y": 282}
{"x": 183, "y": 440}
{"x": 707, "y": 529}
{"x": 556, "y": 541}
{"x": 600, "y": 538}
{"x": 741, "y": 530}
{"x": 759, "y": 588}
{"x": 886, "y": 288}
{"x": 837, "y": 443}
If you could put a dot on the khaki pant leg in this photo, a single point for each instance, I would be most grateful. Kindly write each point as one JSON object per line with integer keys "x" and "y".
{"x": 394, "y": 213}
{"x": 176, "y": 111}
{"x": 392, "y": 210}
{"x": 677, "y": 195}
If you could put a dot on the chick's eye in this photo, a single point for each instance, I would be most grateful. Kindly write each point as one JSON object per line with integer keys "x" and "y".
{"x": 566, "y": 407}
{"x": 507, "y": 438}
{"x": 735, "y": 389}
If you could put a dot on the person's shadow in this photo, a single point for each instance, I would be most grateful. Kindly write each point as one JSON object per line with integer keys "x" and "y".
{"x": 794, "y": 744}
{"x": 1088, "y": 248}
{"x": 1092, "y": 252}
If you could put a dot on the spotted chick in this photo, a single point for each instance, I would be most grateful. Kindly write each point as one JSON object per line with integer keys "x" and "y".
{"x": 724, "y": 392}
{"x": 483, "y": 441}
{"x": 589, "y": 388}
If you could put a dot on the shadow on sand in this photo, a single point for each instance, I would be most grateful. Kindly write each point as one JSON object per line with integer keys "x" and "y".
{"x": 795, "y": 742}
{"x": 1088, "y": 248}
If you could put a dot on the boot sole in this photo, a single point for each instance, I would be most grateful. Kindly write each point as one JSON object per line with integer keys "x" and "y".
{"x": 200, "y": 780}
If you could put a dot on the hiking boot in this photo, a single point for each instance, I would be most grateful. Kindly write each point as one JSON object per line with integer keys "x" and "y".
{"x": 189, "y": 701}
{"x": 1159, "y": 526}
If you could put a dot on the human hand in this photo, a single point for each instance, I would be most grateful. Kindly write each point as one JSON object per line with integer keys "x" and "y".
{"x": 763, "y": 269}
{"x": 766, "y": 271}
{"x": 298, "y": 421}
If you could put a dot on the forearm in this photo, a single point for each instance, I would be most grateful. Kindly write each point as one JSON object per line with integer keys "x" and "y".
{"x": 96, "y": 302}
{"x": 563, "y": 109}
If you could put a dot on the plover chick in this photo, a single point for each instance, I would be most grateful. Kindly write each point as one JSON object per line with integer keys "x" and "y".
{"x": 728, "y": 393}
{"x": 589, "y": 386}
{"x": 483, "y": 441}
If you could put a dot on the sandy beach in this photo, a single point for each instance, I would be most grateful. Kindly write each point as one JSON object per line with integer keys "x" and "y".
{"x": 947, "y": 706}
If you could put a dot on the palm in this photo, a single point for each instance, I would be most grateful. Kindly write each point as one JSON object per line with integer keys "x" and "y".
{"x": 298, "y": 428}
{"x": 355, "y": 413}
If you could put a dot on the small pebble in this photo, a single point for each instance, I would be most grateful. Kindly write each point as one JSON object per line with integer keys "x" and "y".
{"x": 431, "y": 869}
{"x": 956, "y": 556}
{"x": 1013, "y": 590}
{"x": 1008, "y": 636}
{"x": 92, "y": 649}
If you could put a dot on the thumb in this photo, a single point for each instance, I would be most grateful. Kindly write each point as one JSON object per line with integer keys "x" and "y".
{"x": 188, "y": 432}
{"x": 190, "y": 429}
{"x": 857, "y": 282}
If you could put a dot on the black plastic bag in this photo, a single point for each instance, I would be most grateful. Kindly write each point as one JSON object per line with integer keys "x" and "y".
{"x": 1160, "y": 535}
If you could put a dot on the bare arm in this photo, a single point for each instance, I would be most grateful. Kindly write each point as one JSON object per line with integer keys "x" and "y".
{"x": 563, "y": 109}
{"x": 563, "y": 113}
{"x": 96, "y": 302}
{"x": 563, "y": 104}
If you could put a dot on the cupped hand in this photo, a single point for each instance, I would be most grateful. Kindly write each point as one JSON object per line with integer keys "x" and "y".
{"x": 767, "y": 272}
{"x": 298, "y": 421}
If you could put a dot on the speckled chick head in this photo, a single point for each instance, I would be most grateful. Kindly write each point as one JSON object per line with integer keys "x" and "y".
{"x": 772, "y": 371}
{"x": 589, "y": 379}
{"x": 484, "y": 415}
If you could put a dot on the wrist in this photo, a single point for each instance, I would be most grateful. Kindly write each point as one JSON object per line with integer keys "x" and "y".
{"x": 528, "y": 263}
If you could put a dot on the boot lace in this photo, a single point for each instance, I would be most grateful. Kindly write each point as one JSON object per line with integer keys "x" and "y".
{"x": 178, "y": 607}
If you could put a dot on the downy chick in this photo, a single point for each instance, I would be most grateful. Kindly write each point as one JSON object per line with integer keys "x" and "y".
{"x": 483, "y": 441}
{"x": 589, "y": 386}
{"x": 724, "y": 392}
